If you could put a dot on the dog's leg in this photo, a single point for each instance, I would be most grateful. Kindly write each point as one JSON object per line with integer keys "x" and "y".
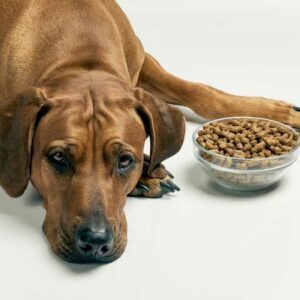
{"x": 211, "y": 103}
{"x": 160, "y": 182}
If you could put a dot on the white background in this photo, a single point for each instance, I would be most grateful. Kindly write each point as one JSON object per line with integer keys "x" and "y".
{"x": 200, "y": 243}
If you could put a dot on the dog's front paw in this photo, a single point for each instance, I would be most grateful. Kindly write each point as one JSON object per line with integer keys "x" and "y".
{"x": 155, "y": 187}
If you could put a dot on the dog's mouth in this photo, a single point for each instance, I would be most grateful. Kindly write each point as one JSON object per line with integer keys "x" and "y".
{"x": 66, "y": 249}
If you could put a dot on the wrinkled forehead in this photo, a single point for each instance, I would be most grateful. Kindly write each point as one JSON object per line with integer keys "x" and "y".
{"x": 92, "y": 125}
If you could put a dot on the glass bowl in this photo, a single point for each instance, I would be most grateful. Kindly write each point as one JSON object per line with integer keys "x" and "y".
{"x": 243, "y": 174}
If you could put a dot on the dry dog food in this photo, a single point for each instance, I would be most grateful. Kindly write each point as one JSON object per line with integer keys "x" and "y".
{"x": 242, "y": 138}
{"x": 246, "y": 139}
{"x": 246, "y": 144}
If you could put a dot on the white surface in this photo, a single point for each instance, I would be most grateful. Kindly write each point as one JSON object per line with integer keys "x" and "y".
{"x": 199, "y": 243}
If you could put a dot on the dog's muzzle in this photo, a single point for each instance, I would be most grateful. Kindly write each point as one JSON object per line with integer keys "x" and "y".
{"x": 94, "y": 242}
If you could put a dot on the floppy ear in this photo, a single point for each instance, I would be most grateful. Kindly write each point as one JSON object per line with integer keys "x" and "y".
{"x": 17, "y": 123}
{"x": 164, "y": 124}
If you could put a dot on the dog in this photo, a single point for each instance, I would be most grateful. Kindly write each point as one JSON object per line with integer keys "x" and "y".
{"x": 78, "y": 98}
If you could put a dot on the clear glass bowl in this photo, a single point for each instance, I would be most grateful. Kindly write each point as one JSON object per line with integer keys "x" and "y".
{"x": 244, "y": 174}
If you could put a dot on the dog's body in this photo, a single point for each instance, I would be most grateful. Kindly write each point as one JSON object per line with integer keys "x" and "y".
{"x": 78, "y": 97}
{"x": 32, "y": 53}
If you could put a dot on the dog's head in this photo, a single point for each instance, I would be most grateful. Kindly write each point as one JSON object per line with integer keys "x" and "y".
{"x": 84, "y": 155}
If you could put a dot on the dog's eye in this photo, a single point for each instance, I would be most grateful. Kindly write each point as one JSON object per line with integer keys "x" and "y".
{"x": 58, "y": 157}
{"x": 59, "y": 160}
{"x": 125, "y": 163}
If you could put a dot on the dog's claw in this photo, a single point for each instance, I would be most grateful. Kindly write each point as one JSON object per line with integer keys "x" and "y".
{"x": 166, "y": 187}
{"x": 174, "y": 186}
{"x": 154, "y": 187}
{"x": 170, "y": 174}
{"x": 143, "y": 187}
{"x": 296, "y": 108}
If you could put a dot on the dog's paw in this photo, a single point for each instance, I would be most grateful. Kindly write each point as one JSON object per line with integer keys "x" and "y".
{"x": 159, "y": 184}
{"x": 154, "y": 187}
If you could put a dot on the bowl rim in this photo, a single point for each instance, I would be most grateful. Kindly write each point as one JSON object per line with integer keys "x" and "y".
{"x": 294, "y": 150}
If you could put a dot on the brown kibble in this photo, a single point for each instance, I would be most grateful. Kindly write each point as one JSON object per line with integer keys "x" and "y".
{"x": 215, "y": 151}
{"x": 247, "y": 125}
{"x": 285, "y": 148}
{"x": 239, "y": 146}
{"x": 231, "y": 145}
{"x": 284, "y": 130}
{"x": 277, "y": 150}
{"x": 230, "y": 151}
{"x": 214, "y": 137}
{"x": 251, "y": 136}
{"x": 246, "y": 138}
{"x": 241, "y": 166}
{"x": 222, "y": 145}
{"x": 254, "y": 149}
{"x": 261, "y": 134}
{"x": 260, "y": 146}
{"x": 273, "y": 129}
{"x": 248, "y": 155}
{"x": 236, "y": 129}
{"x": 230, "y": 136}
{"x": 256, "y": 129}
{"x": 268, "y": 153}
{"x": 201, "y": 132}
{"x": 271, "y": 141}
{"x": 227, "y": 163}
{"x": 209, "y": 144}
{"x": 247, "y": 147}
{"x": 217, "y": 130}
{"x": 236, "y": 122}
{"x": 239, "y": 154}
{"x": 237, "y": 140}
{"x": 285, "y": 135}
{"x": 284, "y": 141}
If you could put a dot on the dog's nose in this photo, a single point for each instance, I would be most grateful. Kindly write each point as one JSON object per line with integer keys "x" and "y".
{"x": 94, "y": 241}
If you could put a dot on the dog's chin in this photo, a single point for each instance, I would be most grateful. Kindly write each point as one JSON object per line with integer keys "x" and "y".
{"x": 77, "y": 258}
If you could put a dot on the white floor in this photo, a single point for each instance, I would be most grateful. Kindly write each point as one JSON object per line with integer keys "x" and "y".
{"x": 200, "y": 243}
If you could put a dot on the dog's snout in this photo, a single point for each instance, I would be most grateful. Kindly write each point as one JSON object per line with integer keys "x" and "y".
{"x": 94, "y": 241}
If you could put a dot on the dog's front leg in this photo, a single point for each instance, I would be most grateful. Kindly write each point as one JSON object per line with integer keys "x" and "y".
{"x": 155, "y": 186}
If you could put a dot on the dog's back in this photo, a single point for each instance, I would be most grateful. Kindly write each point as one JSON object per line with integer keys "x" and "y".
{"x": 38, "y": 37}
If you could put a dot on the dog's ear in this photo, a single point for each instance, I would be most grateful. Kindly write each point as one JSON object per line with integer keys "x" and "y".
{"x": 164, "y": 124}
{"x": 18, "y": 119}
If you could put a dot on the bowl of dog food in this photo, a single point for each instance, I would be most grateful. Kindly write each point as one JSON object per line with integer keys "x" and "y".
{"x": 245, "y": 153}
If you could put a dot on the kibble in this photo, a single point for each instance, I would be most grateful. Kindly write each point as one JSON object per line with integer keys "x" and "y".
{"x": 244, "y": 144}
{"x": 251, "y": 138}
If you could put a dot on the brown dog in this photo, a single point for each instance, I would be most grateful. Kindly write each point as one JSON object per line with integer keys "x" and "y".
{"x": 79, "y": 96}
